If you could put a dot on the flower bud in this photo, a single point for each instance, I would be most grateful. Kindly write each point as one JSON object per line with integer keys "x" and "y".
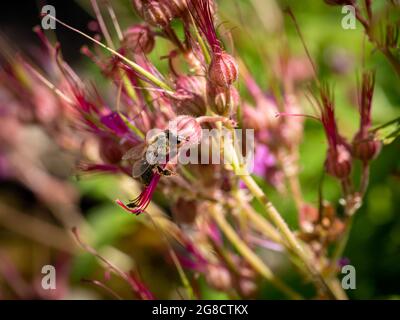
{"x": 139, "y": 39}
{"x": 366, "y": 149}
{"x": 191, "y": 83}
{"x": 247, "y": 288}
{"x": 223, "y": 101}
{"x": 338, "y": 162}
{"x": 218, "y": 277}
{"x": 190, "y": 103}
{"x": 158, "y": 14}
{"x": 186, "y": 129}
{"x": 191, "y": 96}
{"x": 223, "y": 70}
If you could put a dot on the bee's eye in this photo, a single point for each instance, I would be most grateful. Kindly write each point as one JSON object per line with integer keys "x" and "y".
{"x": 180, "y": 139}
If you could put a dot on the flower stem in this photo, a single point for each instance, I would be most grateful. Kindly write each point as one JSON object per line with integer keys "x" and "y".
{"x": 273, "y": 214}
{"x": 341, "y": 246}
{"x": 291, "y": 173}
{"x": 392, "y": 59}
{"x": 250, "y": 256}
{"x": 291, "y": 241}
{"x": 175, "y": 259}
{"x": 261, "y": 224}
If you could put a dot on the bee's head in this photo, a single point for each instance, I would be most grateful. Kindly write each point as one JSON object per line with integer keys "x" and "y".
{"x": 181, "y": 140}
{"x": 175, "y": 139}
{"x": 184, "y": 129}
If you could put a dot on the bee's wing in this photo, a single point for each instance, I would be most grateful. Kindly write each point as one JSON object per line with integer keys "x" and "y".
{"x": 139, "y": 167}
{"x": 161, "y": 146}
{"x": 134, "y": 153}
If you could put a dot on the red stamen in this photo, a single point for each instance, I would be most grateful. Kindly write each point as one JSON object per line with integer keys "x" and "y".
{"x": 140, "y": 204}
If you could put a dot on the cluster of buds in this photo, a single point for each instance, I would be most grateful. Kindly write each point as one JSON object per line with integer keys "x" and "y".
{"x": 179, "y": 110}
{"x": 365, "y": 145}
{"x": 223, "y": 70}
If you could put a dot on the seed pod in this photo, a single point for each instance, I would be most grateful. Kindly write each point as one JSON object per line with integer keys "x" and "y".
{"x": 191, "y": 95}
{"x": 158, "y": 14}
{"x": 366, "y": 149}
{"x": 218, "y": 277}
{"x": 191, "y": 83}
{"x": 223, "y": 70}
{"x": 247, "y": 288}
{"x": 186, "y": 129}
{"x": 190, "y": 103}
{"x": 223, "y": 101}
{"x": 139, "y": 39}
{"x": 338, "y": 162}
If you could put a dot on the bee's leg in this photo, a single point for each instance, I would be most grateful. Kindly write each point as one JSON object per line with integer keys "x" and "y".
{"x": 164, "y": 172}
{"x": 131, "y": 205}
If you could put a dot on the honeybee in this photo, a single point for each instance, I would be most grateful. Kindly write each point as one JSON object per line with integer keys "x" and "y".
{"x": 146, "y": 156}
